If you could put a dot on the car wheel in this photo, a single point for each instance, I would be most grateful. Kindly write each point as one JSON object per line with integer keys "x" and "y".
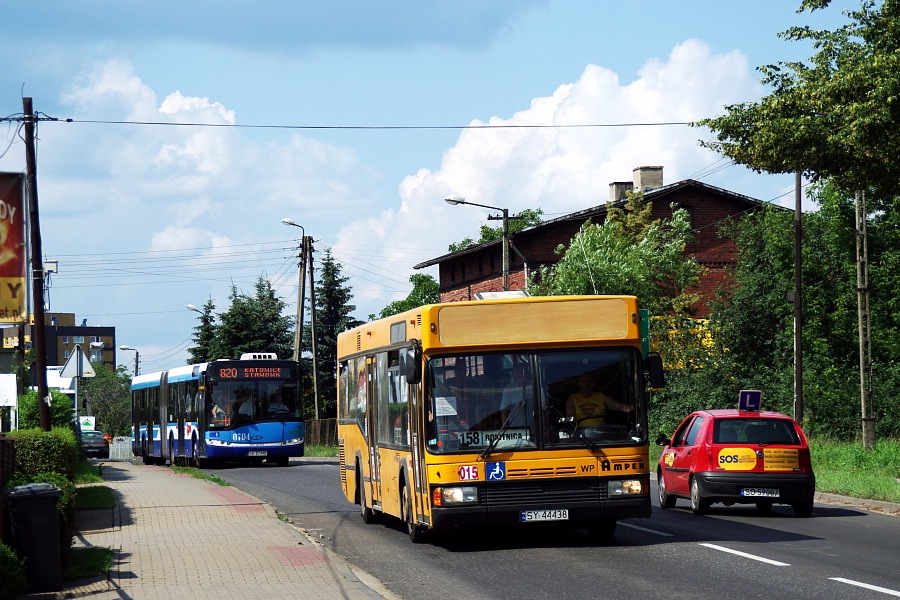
{"x": 698, "y": 504}
{"x": 764, "y": 506}
{"x": 803, "y": 509}
{"x": 665, "y": 500}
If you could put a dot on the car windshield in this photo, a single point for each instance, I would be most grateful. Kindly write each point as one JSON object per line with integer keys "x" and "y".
{"x": 553, "y": 398}
{"x": 754, "y": 430}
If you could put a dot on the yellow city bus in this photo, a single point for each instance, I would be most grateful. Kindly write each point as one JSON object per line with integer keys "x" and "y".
{"x": 467, "y": 415}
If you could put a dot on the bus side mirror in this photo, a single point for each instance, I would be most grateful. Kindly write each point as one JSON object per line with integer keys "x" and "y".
{"x": 654, "y": 366}
{"x": 411, "y": 364}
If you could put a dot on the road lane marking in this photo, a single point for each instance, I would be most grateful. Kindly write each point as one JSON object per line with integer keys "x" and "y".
{"x": 868, "y": 586}
{"x": 745, "y": 555}
{"x": 653, "y": 531}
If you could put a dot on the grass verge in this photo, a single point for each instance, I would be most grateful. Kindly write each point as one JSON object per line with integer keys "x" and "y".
{"x": 88, "y": 562}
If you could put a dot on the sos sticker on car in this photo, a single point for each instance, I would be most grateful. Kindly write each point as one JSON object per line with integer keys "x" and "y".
{"x": 737, "y": 459}
{"x": 780, "y": 459}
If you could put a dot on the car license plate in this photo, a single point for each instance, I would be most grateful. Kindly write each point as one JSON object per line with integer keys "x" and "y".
{"x": 760, "y": 492}
{"x": 257, "y": 453}
{"x": 550, "y": 514}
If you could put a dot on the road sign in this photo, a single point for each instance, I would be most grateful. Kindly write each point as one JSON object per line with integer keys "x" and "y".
{"x": 750, "y": 400}
{"x": 77, "y": 365}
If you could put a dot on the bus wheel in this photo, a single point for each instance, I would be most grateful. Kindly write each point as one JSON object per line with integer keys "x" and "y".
{"x": 368, "y": 515}
{"x": 145, "y": 454}
{"x": 282, "y": 461}
{"x": 417, "y": 533}
{"x": 602, "y": 530}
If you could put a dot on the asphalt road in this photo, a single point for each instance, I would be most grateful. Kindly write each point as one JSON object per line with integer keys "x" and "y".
{"x": 842, "y": 552}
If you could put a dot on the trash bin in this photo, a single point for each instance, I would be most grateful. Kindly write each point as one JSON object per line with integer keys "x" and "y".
{"x": 35, "y": 529}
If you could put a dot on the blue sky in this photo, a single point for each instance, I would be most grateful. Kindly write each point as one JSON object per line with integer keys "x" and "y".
{"x": 349, "y": 118}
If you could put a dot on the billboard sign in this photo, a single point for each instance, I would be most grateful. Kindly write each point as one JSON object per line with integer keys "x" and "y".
{"x": 12, "y": 248}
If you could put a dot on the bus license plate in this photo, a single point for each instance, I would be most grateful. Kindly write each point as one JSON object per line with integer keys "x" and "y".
{"x": 554, "y": 514}
{"x": 257, "y": 453}
{"x": 760, "y": 492}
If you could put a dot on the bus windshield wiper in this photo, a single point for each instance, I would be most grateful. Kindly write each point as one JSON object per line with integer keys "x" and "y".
{"x": 493, "y": 444}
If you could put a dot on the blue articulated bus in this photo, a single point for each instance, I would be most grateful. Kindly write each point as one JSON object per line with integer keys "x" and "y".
{"x": 246, "y": 410}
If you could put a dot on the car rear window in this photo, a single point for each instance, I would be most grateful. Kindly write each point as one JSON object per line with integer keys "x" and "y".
{"x": 91, "y": 434}
{"x": 754, "y": 431}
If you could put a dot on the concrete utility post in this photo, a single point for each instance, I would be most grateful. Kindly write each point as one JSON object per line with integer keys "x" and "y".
{"x": 306, "y": 265}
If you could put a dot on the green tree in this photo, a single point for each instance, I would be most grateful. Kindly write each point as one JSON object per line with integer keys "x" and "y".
{"x": 204, "y": 335}
{"x": 529, "y": 217}
{"x": 333, "y": 315}
{"x": 108, "y": 397}
{"x": 426, "y": 290}
{"x": 62, "y": 410}
{"x": 253, "y": 324}
{"x": 629, "y": 254}
{"x": 835, "y": 117}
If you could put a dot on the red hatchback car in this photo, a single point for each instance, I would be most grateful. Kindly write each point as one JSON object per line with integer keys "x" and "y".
{"x": 736, "y": 457}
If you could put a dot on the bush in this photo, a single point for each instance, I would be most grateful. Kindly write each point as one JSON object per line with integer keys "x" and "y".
{"x": 13, "y": 581}
{"x": 39, "y": 451}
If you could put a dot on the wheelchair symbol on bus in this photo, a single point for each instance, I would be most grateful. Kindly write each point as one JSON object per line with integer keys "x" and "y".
{"x": 496, "y": 471}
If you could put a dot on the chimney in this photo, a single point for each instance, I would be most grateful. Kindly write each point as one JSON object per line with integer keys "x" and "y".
{"x": 617, "y": 190}
{"x": 647, "y": 178}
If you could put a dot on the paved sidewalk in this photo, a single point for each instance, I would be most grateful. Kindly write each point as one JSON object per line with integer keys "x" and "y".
{"x": 175, "y": 536}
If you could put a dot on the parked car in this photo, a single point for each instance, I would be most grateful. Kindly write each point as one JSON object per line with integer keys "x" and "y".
{"x": 736, "y": 457}
{"x": 95, "y": 443}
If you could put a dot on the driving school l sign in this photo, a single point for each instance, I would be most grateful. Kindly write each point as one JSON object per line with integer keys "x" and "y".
{"x": 750, "y": 400}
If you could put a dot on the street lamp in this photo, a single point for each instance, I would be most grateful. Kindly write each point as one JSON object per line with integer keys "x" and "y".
{"x": 301, "y": 284}
{"x": 137, "y": 369}
{"x": 454, "y": 200}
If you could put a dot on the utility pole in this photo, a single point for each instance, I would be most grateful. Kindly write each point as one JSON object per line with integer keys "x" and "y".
{"x": 37, "y": 268}
{"x": 798, "y": 301}
{"x": 312, "y": 322}
{"x": 865, "y": 339}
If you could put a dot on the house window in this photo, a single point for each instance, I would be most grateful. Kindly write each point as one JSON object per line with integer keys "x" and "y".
{"x": 67, "y": 354}
{"x": 78, "y": 339}
{"x": 96, "y": 356}
{"x": 95, "y": 338}
{"x": 65, "y": 339}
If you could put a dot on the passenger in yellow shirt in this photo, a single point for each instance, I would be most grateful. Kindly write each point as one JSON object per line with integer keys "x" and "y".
{"x": 588, "y": 406}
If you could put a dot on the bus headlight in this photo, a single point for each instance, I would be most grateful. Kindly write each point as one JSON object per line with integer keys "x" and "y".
{"x": 625, "y": 487}
{"x": 443, "y": 496}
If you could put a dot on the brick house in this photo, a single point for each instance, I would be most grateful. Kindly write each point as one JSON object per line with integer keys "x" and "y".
{"x": 479, "y": 268}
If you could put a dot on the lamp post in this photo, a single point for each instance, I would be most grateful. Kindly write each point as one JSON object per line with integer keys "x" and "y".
{"x": 461, "y": 200}
{"x": 301, "y": 283}
{"x": 306, "y": 264}
{"x": 137, "y": 368}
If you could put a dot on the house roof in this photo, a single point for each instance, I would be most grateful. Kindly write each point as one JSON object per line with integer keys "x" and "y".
{"x": 583, "y": 215}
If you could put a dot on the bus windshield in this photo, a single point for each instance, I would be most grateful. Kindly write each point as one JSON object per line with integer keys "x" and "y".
{"x": 236, "y": 403}
{"x": 587, "y": 397}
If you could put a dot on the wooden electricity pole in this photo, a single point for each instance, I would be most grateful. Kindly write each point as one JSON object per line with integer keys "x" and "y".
{"x": 37, "y": 268}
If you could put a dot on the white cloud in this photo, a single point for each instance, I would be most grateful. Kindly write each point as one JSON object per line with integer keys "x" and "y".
{"x": 564, "y": 169}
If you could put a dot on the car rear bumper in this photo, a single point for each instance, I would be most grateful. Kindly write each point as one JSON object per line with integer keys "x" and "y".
{"x": 792, "y": 487}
